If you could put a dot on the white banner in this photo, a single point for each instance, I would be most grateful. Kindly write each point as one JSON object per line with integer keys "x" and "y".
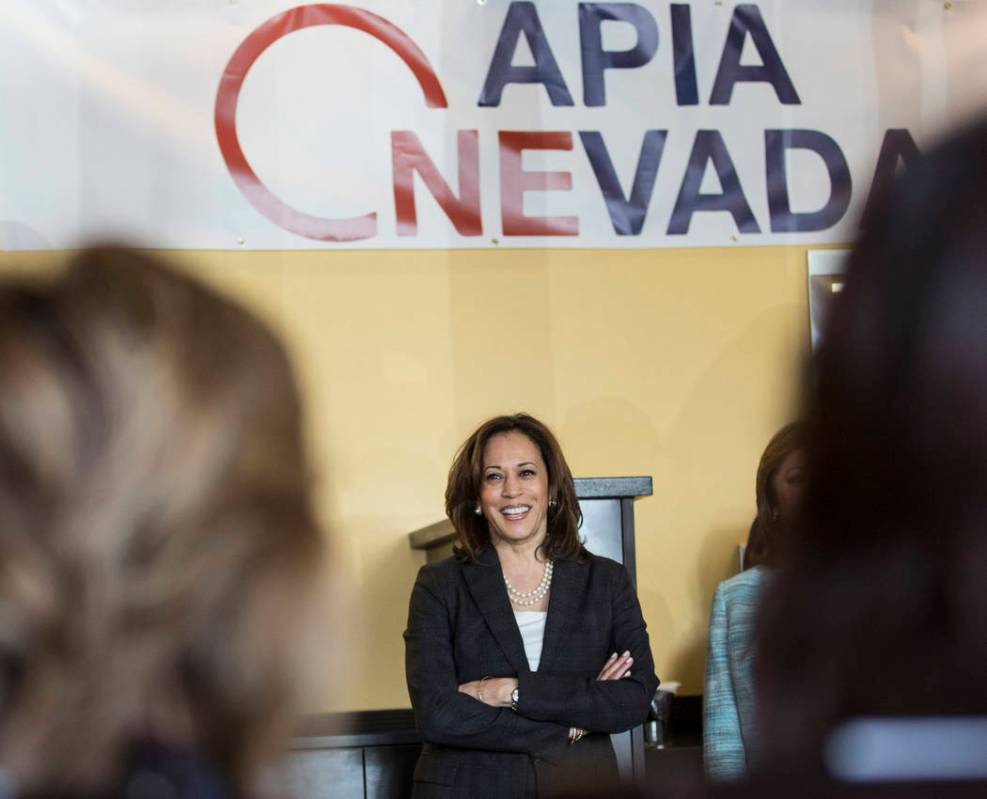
{"x": 261, "y": 124}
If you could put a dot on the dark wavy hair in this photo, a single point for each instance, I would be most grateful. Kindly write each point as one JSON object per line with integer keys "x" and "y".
{"x": 466, "y": 477}
{"x": 880, "y": 608}
{"x": 763, "y": 541}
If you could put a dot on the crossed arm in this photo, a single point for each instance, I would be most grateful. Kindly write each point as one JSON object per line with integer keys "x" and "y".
{"x": 552, "y": 707}
{"x": 498, "y": 691}
{"x": 446, "y": 715}
{"x": 612, "y": 705}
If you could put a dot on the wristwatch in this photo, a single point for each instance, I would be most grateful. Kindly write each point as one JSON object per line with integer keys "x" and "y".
{"x": 514, "y": 699}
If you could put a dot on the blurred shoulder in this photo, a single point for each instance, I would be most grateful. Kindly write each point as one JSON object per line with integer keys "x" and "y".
{"x": 743, "y": 586}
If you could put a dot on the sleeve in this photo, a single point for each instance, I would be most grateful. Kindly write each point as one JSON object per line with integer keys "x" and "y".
{"x": 443, "y": 714}
{"x": 723, "y": 747}
{"x": 580, "y": 700}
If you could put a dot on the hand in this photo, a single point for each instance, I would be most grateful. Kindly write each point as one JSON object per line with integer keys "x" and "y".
{"x": 616, "y": 667}
{"x": 493, "y": 691}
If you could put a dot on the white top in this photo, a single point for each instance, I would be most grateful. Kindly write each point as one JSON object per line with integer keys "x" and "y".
{"x": 531, "y": 623}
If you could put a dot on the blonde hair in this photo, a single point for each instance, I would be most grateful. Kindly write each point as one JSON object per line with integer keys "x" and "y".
{"x": 158, "y": 548}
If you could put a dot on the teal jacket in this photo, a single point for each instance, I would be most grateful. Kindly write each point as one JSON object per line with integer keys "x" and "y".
{"x": 728, "y": 702}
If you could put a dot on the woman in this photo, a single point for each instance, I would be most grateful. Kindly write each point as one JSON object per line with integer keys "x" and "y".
{"x": 881, "y": 608}
{"x": 158, "y": 552}
{"x": 523, "y": 650}
{"x": 778, "y": 488}
{"x": 728, "y": 727}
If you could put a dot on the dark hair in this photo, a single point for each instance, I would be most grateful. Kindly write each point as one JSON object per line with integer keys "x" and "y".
{"x": 763, "y": 541}
{"x": 158, "y": 550}
{"x": 881, "y": 608}
{"x": 466, "y": 477}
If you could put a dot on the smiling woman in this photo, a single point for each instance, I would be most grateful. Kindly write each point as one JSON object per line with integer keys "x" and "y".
{"x": 514, "y": 497}
{"x": 523, "y": 649}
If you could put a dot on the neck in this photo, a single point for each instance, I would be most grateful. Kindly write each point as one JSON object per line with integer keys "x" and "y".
{"x": 520, "y": 551}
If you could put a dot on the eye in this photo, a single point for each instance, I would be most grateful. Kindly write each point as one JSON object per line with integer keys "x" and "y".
{"x": 527, "y": 473}
{"x": 492, "y": 477}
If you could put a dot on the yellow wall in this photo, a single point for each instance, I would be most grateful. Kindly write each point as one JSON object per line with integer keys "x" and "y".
{"x": 677, "y": 364}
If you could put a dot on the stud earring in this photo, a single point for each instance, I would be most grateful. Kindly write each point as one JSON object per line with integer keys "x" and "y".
{"x": 477, "y": 510}
{"x": 553, "y": 502}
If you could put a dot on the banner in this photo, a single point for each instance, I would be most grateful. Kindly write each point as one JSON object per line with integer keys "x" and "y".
{"x": 257, "y": 124}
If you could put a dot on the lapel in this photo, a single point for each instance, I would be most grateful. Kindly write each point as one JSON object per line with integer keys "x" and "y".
{"x": 485, "y": 581}
{"x": 568, "y": 587}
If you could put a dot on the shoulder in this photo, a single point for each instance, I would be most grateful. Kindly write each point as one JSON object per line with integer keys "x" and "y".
{"x": 441, "y": 578}
{"x": 447, "y": 567}
{"x": 604, "y": 570}
{"x": 745, "y": 584}
{"x": 441, "y": 572}
{"x": 737, "y": 599}
{"x": 437, "y": 584}
{"x": 604, "y": 565}
{"x": 175, "y": 772}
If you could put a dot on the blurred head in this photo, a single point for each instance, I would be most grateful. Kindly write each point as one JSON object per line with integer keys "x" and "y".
{"x": 882, "y": 609}
{"x": 158, "y": 552}
{"x": 778, "y": 490}
{"x": 512, "y": 469}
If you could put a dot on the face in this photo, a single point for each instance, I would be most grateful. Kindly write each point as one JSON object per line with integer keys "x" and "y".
{"x": 788, "y": 483}
{"x": 514, "y": 495}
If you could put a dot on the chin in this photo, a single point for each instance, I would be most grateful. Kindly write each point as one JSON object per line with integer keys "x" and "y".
{"x": 516, "y": 536}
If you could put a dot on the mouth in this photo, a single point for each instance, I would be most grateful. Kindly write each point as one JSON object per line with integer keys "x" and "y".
{"x": 515, "y": 513}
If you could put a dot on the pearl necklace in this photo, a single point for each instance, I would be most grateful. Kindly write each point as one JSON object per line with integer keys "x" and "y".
{"x": 526, "y": 598}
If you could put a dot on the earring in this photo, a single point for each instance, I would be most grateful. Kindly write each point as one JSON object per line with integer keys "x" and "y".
{"x": 553, "y": 502}
{"x": 477, "y": 510}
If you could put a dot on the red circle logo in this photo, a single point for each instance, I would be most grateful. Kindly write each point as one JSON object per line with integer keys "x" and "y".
{"x": 277, "y": 27}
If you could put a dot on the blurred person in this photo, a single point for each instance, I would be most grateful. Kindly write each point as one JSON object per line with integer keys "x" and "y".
{"x": 158, "y": 551}
{"x": 524, "y": 651}
{"x": 881, "y": 607}
{"x": 778, "y": 487}
{"x": 729, "y": 729}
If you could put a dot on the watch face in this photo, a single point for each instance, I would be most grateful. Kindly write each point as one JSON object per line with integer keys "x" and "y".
{"x": 514, "y": 695}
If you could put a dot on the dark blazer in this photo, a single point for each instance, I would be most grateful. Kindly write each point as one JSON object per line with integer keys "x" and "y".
{"x": 461, "y": 627}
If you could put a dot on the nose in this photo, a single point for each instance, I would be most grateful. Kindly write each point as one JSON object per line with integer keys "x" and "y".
{"x": 511, "y": 486}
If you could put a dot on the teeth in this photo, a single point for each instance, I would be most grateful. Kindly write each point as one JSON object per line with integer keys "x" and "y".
{"x": 517, "y": 511}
